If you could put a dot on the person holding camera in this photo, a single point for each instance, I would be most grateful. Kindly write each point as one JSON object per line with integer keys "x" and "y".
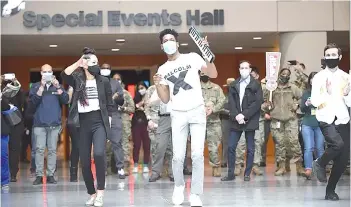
{"x": 13, "y": 93}
{"x": 47, "y": 96}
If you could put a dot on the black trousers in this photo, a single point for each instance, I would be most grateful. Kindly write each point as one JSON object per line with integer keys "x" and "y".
{"x": 15, "y": 147}
{"x": 338, "y": 141}
{"x": 74, "y": 135}
{"x": 26, "y": 141}
{"x": 92, "y": 132}
{"x": 233, "y": 143}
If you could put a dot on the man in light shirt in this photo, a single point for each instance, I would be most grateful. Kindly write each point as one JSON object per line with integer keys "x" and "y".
{"x": 178, "y": 80}
{"x": 331, "y": 95}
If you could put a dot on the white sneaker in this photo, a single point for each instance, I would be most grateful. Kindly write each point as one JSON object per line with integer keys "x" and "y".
{"x": 195, "y": 200}
{"x": 178, "y": 195}
{"x": 98, "y": 200}
{"x": 90, "y": 201}
{"x": 145, "y": 170}
{"x": 121, "y": 172}
{"x": 135, "y": 170}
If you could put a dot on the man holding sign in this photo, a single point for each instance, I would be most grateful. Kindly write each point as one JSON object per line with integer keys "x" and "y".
{"x": 178, "y": 80}
{"x": 331, "y": 95}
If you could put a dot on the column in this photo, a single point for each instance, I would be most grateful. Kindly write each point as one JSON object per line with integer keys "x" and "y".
{"x": 305, "y": 47}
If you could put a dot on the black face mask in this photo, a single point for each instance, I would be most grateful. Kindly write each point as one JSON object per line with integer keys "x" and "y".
{"x": 204, "y": 78}
{"x": 332, "y": 63}
{"x": 284, "y": 79}
{"x": 94, "y": 70}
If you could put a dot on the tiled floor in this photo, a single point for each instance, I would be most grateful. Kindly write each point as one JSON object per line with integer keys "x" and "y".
{"x": 266, "y": 190}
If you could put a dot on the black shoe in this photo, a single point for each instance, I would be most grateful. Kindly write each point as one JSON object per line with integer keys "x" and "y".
{"x": 228, "y": 178}
{"x": 262, "y": 164}
{"x": 187, "y": 172}
{"x": 51, "y": 180}
{"x": 38, "y": 180}
{"x": 73, "y": 174}
{"x": 246, "y": 178}
{"x": 224, "y": 165}
{"x": 319, "y": 172}
{"x": 171, "y": 179}
{"x": 332, "y": 196}
{"x": 13, "y": 179}
{"x": 154, "y": 178}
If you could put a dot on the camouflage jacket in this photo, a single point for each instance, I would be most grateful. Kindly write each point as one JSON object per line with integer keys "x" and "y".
{"x": 214, "y": 97}
{"x": 128, "y": 107}
{"x": 151, "y": 109}
{"x": 285, "y": 102}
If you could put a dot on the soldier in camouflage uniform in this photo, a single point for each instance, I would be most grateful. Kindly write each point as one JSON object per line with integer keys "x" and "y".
{"x": 284, "y": 125}
{"x": 214, "y": 100}
{"x": 301, "y": 82}
{"x": 259, "y": 138}
{"x": 127, "y": 109}
{"x": 160, "y": 133}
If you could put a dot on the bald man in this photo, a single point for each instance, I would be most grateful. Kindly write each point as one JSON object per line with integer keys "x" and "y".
{"x": 47, "y": 96}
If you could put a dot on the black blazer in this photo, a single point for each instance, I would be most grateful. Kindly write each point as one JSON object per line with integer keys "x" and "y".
{"x": 105, "y": 100}
{"x": 251, "y": 105}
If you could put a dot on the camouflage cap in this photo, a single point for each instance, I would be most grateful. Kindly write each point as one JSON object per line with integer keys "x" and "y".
{"x": 229, "y": 81}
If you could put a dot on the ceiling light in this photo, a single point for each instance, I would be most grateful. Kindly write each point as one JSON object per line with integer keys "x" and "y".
{"x": 184, "y": 44}
{"x": 114, "y": 50}
{"x": 257, "y": 38}
{"x": 120, "y": 40}
{"x": 238, "y": 48}
{"x": 52, "y": 45}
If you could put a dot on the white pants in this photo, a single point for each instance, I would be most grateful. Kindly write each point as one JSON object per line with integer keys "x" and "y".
{"x": 182, "y": 121}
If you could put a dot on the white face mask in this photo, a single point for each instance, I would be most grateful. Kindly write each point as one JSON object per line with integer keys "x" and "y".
{"x": 244, "y": 73}
{"x": 170, "y": 47}
{"x": 105, "y": 72}
{"x": 142, "y": 91}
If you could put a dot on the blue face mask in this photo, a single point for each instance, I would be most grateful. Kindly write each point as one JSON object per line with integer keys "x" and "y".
{"x": 170, "y": 47}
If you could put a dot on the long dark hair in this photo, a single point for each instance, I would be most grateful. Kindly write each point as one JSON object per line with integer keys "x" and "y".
{"x": 81, "y": 79}
{"x": 309, "y": 85}
{"x": 138, "y": 97}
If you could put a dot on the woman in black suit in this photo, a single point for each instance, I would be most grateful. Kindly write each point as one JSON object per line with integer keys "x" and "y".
{"x": 91, "y": 109}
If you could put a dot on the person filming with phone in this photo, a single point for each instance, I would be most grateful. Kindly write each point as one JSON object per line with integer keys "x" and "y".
{"x": 47, "y": 96}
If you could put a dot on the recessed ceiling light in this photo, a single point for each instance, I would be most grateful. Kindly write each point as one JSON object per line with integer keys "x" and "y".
{"x": 120, "y": 40}
{"x": 114, "y": 50}
{"x": 52, "y": 45}
{"x": 238, "y": 48}
{"x": 257, "y": 38}
{"x": 184, "y": 44}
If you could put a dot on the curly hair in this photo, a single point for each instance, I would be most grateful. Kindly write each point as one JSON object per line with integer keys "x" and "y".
{"x": 80, "y": 80}
{"x": 168, "y": 31}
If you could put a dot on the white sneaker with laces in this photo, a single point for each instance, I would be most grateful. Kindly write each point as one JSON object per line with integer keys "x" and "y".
{"x": 178, "y": 195}
{"x": 90, "y": 201}
{"x": 195, "y": 200}
{"x": 135, "y": 170}
{"x": 145, "y": 170}
{"x": 99, "y": 200}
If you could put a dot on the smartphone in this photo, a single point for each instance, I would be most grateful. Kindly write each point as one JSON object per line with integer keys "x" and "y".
{"x": 292, "y": 62}
{"x": 9, "y": 76}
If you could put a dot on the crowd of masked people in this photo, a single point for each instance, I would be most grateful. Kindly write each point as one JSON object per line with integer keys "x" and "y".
{"x": 289, "y": 117}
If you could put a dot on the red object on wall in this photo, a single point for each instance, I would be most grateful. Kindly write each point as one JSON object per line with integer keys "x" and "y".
{"x": 131, "y": 89}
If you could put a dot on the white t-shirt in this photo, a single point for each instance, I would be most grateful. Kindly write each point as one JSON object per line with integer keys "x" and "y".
{"x": 331, "y": 105}
{"x": 182, "y": 77}
{"x": 92, "y": 98}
